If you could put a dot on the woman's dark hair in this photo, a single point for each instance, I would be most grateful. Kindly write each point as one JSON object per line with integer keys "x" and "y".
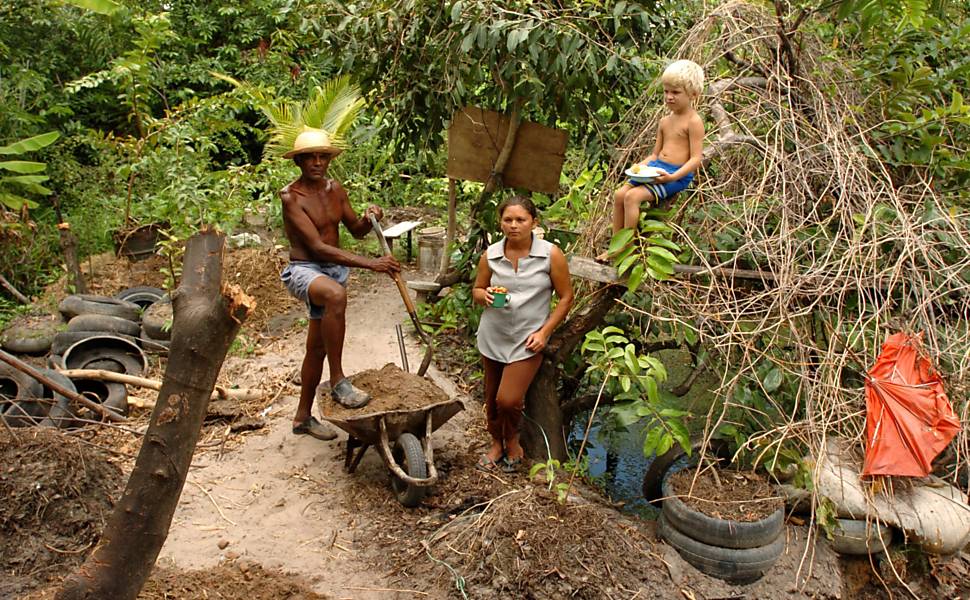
{"x": 523, "y": 201}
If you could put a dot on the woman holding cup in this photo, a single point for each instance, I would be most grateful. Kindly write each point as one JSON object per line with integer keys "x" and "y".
{"x": 515, "y": 280}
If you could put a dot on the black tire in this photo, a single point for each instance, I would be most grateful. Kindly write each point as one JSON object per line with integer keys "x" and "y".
{"x": 107, "y": 352}
{"x": 733, "y": 565}
{"x": 108, "y": 393}
{"x": 103, "y": 323}
{"x": 66, "y": 339}
{"x": 60, "y": 414}
{"x": 654, "y": 477}
{"x": 721, "y": 532}
{"x": 859, "y": 538}
{"x": 142, "y": 295}
{"x": 90, "y": 304}
{"x": 409, "y": 455}
{"x": 157, "y": 320}
{"x": 30, "y": 337}
{"x": 153, "y": 346}
{"x": 16, "y": 386}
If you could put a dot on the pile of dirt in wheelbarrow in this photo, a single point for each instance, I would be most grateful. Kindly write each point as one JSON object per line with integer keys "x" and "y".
{"x": 390, "y": 389}
{"x": 57, "y": 493}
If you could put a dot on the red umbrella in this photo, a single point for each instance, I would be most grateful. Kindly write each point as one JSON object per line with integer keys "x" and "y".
{"x": 909, "y": 419}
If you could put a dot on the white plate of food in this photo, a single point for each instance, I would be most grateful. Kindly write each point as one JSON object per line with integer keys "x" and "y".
{"x": 643, "y": 174}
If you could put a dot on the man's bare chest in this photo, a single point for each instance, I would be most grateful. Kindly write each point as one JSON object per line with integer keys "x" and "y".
{"x": 323, "y": 210}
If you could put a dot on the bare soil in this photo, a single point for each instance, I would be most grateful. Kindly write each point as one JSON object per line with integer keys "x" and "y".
{"x": 57, "y": 492}
{"x": 726, "y": 494}
{"x": 391, "y": 389}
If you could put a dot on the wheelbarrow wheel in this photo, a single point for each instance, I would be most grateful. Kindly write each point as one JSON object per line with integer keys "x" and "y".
{"x": 409, "y": 455}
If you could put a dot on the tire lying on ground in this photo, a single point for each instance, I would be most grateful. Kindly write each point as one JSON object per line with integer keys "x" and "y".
{"x": 15, "y": 386}
{"x": 153, "y": 346}
{"x": 103, "y": 323}
{"x": 653, "y": 479}
{"x": 90, "y": 304}
{"x": 109, "y": 394}
{"x": 108, "y": 352}
{"x": 60, "y": 415}
{"x": 731, "y": 564}
{"x": 156, "y": 322}
{"x": 858, "y": 537}
{"x": 66, "y": 339}
{"x": 29, "y": 335}
{"x": 36, "y": 408}
{"x": 720, "y": 532}
{"x": 142, "y": 295}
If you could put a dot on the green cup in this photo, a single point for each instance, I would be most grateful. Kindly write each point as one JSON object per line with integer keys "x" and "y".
{"x": 498, "y": 299}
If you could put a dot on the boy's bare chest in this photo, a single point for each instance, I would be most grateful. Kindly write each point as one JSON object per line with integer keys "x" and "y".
{"x": 674, "y": 129}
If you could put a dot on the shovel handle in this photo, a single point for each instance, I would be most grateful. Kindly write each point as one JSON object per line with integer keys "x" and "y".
{"x": 395, "y": 276}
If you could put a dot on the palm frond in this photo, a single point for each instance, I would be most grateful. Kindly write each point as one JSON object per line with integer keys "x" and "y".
{"x": 332, "y": 107}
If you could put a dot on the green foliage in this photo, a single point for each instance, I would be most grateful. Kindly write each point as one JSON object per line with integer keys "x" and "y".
{"x": 548, "y": 470}
{"x": 914, "y": 57}
{"x": 632, "y": 380}
{"x": 576, "y": 63}
{"x": 27, "y": 178}
{"x": 644, "y": 251}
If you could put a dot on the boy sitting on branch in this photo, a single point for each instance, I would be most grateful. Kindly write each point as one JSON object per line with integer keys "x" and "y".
{"x": 676, "y": 153}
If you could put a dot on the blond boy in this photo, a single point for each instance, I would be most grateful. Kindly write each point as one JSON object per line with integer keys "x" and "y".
{"x": 677, "y": 151}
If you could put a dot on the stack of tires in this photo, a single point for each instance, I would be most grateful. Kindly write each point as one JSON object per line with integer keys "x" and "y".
{"x": 100, "y": 333}
{"x": 738, "y": 552}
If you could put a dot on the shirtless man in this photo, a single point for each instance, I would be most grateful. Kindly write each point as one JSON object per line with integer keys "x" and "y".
{"x": 313, "y": 208}
{"x": 676, "y": 153}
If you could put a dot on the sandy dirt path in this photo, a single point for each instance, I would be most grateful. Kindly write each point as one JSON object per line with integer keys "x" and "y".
{"x": 278, "y": 500}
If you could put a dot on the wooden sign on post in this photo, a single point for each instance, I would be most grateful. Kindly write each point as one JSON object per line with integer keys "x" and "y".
{"x": 475, "y": 139}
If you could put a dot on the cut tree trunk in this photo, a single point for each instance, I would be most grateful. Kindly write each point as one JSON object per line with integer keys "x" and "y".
{"x": 542, "y": 403}
{"x": 207, "y": 317}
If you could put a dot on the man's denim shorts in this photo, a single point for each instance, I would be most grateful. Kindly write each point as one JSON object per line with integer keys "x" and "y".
{"x": 299, "y": 274}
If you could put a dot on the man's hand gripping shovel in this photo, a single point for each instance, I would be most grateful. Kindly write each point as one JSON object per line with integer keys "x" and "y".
{"x": 426, "y": 361}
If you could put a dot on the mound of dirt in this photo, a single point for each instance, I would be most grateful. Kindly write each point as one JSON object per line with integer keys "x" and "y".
{"x": 390, "y": 389}
{"x": 228, "y": 580}
{"x": 526, "y": 544}
{"x": 57, "y": 493}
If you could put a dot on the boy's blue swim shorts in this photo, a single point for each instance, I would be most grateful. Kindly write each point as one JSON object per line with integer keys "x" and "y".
{"x": 662, "y": 191}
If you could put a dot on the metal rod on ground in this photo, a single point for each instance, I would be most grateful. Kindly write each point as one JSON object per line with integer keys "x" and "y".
{"x": 60, "y": 389}
{"x": 412, "y": 312}
{"x": 400, "y": 346}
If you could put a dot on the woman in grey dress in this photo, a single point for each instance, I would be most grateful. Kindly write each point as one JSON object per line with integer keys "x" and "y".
{"x": 511, "y": 338}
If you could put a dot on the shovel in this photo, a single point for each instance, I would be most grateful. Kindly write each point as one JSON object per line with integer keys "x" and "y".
{"x": 426, "y": 361}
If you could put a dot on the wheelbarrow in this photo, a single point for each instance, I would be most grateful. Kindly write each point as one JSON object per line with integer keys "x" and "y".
{"x": 411, "y": 431}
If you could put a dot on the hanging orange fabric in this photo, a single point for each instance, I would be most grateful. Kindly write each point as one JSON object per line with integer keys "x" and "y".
{"x": 909, "y": 419}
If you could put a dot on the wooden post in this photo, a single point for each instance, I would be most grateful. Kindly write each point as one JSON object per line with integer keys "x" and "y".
{"x": 452, "y": 227}
{"x": 207, "y": 317}
{"x": 69, "y": 249}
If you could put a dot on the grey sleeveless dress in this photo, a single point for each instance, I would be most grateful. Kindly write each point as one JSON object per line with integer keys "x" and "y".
{"x": 502, "y": 331}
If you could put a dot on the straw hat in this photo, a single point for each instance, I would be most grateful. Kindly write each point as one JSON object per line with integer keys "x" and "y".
{"x": 313, "y": 140}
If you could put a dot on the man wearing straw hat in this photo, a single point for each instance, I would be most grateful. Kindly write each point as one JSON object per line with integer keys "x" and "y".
{"x": 313, "y": 207}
